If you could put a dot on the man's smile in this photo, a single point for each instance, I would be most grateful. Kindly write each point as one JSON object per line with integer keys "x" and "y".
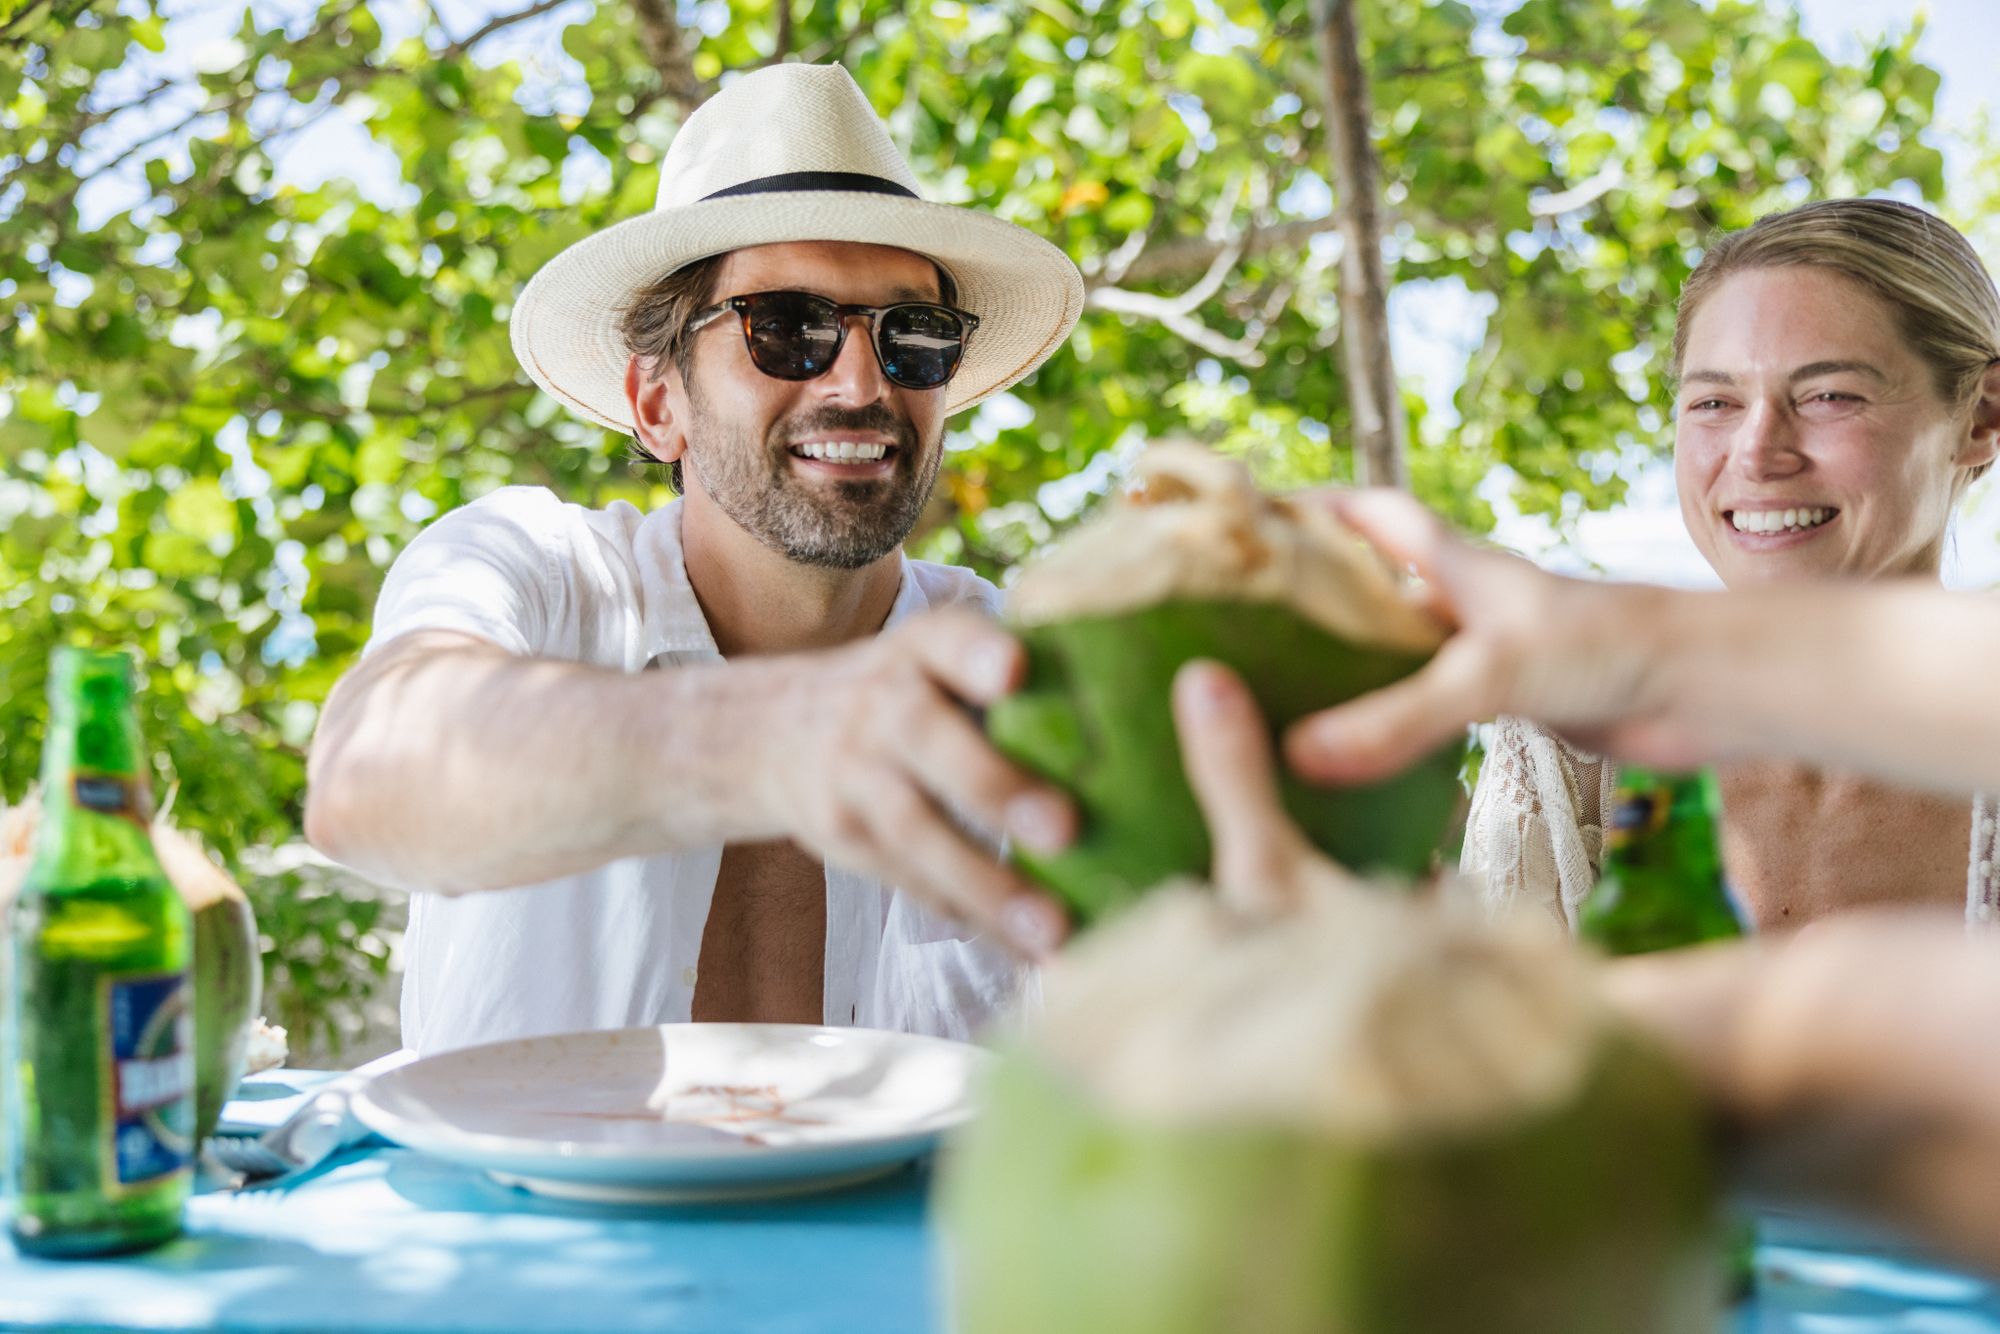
{"x": 846, "y": 456}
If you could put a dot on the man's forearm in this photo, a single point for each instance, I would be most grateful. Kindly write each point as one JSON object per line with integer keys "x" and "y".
{"x": 461, "y": 767}
{"x": 1895, "y": 680}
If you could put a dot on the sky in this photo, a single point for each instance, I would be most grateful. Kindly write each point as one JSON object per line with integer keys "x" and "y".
{"x": 1434, "y": 327}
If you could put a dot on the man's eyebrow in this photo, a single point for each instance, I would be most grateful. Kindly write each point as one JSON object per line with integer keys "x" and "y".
{"x": 1708, "y": 377}
{"x": 1817, "y": 368}
{"x": 912, "y": 294}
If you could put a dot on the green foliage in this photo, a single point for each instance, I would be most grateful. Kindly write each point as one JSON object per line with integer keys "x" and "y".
{"x": 225, "y": 407}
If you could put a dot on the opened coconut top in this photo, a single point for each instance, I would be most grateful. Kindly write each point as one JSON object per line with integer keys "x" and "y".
{"x": 1194, "y": 526}
{"x": 200, "y": 881}
{"x": 1361, "y": 1014}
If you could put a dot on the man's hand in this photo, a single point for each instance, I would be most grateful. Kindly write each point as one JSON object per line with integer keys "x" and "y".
{"x": 866, "y": 753}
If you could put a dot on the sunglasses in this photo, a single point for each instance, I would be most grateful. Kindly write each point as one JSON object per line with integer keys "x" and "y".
{"x": 798, "y": 336}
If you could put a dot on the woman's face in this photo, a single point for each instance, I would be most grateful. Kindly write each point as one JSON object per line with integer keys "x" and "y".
{"x": 1810, "y": 440}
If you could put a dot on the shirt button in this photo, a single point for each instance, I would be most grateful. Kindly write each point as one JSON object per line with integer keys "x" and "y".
{"x": 687, "y": 977}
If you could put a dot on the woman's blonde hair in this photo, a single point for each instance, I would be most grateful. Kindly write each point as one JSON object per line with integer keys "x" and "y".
{"x": 1916, "y": 263}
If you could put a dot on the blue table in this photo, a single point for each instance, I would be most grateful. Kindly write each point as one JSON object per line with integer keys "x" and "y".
{"x": 383, "y": 1238}
{"x": 386, "y": 1239}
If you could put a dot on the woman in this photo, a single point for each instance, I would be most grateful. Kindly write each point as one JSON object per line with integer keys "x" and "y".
{"x": 1835, "y": 398}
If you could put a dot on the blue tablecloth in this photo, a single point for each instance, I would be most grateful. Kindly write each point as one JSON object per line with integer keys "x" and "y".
{"x": 386, "y": 1239}
{"x": 383, "y": 1238}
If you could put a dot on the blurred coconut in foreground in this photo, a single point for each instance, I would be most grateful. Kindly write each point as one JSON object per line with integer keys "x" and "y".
{"x": 1370, "y": 1116}
{"x": 228, "y": 969}
{"x": 1196, "y": 562}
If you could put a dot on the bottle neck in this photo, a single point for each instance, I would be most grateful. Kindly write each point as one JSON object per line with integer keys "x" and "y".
{"x": 97, "y": 807}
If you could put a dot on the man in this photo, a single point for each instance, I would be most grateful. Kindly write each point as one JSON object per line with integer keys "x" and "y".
{"x": 716, "y": 839}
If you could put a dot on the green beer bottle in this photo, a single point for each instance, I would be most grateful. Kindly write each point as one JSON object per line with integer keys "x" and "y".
{"x": 1662, "y": 885}
{"x": 100, "y": 1089}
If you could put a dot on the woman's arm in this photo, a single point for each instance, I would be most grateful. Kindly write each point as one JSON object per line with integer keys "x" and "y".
{"x": 1858, "y": 1059}
{"x": 1894, "y": 680}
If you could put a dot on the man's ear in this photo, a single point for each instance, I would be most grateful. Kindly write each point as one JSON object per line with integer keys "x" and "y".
{"x": 1981, "y": 444}
{"x": 657, "y": 409}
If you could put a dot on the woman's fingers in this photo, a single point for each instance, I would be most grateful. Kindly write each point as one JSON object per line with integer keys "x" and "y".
{"x": 1386, "y": 730}
{"x": 1409, "y": 536}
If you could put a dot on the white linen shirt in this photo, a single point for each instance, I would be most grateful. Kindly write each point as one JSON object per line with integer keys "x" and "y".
{"x": 617, "y": 946}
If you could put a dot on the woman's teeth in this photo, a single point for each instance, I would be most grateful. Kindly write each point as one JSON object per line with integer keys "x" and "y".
{"x": 1778, "y": 521}
{"x": 842, "y": 451}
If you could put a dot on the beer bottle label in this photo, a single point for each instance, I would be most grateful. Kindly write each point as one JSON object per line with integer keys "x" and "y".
{"x": 1639, "y": 811}
{"x": 150, "y": 1053}
{"x": 107, "y": 795}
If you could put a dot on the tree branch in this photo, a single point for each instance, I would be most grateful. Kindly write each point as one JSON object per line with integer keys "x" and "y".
{"x": 666, "y": 50}
{"x": 1172, "y": 318}
{"x": 1579, "y": 196}
{"x": 491, "y": 26}
{"x": 1177, "y": 313}
{"x": 1194, "y": 254}
{"x": 1381, "y": 428}
{"x": 1211, "y": 282}
{"x": 1119, "y": 262}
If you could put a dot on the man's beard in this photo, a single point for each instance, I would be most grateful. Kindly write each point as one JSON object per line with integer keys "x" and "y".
{"x": 755, "y": 485}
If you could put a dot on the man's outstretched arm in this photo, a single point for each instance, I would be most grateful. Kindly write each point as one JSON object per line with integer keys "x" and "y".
{"x": 444, "y": 762}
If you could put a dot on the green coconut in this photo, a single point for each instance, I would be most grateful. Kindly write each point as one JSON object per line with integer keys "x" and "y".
{"x": 1370, "y": 1118}
{"x": 228, "y": 968}
{"x": 1195, "y": 563}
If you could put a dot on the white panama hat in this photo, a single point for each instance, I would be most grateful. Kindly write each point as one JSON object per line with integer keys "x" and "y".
{"x": 791, "y": 152}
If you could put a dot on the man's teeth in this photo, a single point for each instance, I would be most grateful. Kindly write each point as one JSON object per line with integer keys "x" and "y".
{"x": 842, "y": 451}
{"x": 1778, "y": 521}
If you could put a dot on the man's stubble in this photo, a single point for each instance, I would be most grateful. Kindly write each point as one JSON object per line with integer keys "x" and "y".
{"x": 753, "y": 482}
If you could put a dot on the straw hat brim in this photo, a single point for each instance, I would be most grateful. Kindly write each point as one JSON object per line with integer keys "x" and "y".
{"x": 565, "y": 325}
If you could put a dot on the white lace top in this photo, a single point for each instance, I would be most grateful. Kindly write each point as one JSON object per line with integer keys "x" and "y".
{"x": 1536, "y": 829}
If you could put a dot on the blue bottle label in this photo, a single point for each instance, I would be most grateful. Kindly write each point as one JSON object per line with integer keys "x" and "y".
{"x": 1637, "y": 812}
{"x": 150, "y": 1082}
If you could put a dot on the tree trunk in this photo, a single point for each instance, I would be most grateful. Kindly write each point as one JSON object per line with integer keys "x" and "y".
{"x": 1381, "y": 430}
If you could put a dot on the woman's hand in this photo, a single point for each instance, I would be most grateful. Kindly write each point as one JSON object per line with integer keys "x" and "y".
{"x": 1858, "y": 1059}
{"x": 1576, "y": 656}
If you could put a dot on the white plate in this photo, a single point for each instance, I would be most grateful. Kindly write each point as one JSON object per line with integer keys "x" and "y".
{"x": 680, "y": 1112}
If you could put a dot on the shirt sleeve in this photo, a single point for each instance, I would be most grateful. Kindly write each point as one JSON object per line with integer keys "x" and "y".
{"x": 488, "y": 569}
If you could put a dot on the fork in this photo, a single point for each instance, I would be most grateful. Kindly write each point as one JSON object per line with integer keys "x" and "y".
{"x": 322, "y": 1126}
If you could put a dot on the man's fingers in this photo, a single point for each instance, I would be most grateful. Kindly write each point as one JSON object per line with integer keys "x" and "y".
{"x": 922, "y": 851}
{"x": 953, "y": 759}
{"x": 971, "y": 656}
{"x": 1385, "y": 730}
{"x": 1226, "y": 750}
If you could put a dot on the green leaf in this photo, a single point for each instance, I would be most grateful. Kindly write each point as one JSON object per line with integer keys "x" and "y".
{"x": 201, "y": 511}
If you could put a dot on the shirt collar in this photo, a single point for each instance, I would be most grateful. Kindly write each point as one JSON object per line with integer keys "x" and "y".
{"x": 673, "y": 619}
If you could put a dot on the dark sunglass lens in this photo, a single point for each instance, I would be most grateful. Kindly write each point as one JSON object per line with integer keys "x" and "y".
{"x": 921, "y": 345}
{"x": 793, "y": 336}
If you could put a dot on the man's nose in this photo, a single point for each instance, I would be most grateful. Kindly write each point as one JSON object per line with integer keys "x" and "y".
{"x": 856, "y": 374}
{"x": 1765, "y": 444}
